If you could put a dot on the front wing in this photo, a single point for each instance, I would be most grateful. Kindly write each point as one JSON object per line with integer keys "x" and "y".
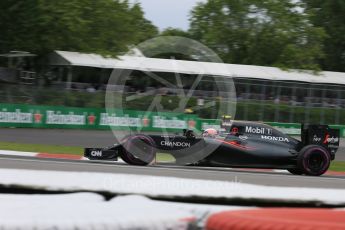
{"x": 102, "y": 154}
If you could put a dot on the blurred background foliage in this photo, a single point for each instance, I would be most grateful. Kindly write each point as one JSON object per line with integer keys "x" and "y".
{"x": 330, "y": 15}
{"x": 106, "y": 27}
{"x": 299, "y": 34}
{"x": 266, "y": 33}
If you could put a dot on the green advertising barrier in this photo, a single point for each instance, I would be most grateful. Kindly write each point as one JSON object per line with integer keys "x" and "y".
{"x": 31, "y": 116}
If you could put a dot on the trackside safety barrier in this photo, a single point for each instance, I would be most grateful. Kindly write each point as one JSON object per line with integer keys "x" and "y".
{"x": 34, "y": 116}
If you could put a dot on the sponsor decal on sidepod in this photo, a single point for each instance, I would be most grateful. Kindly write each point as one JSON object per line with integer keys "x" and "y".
{"x": 332, "y": 140}
{"x": 243, "y": 138}
{"x": 175, "y": 144}
{"x": 257, "y": 130}
{"x": 271, "y": 138}
{"x": 317, "y": 139}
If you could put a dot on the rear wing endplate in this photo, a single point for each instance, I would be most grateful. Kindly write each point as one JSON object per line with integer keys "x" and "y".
{"x": 321, "y": 135}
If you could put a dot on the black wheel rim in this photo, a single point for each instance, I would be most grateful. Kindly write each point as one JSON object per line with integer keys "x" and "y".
{"x": 141, "y": 149}
{"x": 316, "y": 161}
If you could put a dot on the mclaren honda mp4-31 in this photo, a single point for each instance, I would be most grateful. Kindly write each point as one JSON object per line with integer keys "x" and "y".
{"x": 241, "y": 144}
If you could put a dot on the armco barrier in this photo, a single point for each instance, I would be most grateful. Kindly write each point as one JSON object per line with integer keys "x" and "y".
{"x": 33, "y": 116}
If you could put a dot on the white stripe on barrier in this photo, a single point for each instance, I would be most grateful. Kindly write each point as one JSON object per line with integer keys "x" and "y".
{"x": 89, "y": 211}
{"x": 165, "y": 186}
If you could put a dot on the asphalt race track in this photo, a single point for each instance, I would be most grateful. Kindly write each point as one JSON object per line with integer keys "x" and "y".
{"x": 220, "y": 174}
{"x": 82, "y": 138}
{"x": 105, "y": 138}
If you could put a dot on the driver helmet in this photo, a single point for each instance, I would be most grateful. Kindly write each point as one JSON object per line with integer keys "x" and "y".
{"x": 210, "y": 133}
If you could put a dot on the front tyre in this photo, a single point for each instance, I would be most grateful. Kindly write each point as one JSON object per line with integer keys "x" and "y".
{"x": 138, "y": 150}
{"x": 313, "y": 160}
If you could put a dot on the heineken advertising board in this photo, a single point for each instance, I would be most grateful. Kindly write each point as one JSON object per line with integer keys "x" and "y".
{"x": 31, "y": 116}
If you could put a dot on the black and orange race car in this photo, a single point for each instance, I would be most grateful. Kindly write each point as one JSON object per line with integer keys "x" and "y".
{"x": 242, "y": 144}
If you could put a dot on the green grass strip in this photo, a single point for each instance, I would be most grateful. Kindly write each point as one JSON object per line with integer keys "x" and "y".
{"x": 40, "y": 148}
{"x": 338, "y": 166}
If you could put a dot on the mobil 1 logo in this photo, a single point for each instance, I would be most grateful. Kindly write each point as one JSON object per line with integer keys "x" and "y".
{"x": 259, "y": 130}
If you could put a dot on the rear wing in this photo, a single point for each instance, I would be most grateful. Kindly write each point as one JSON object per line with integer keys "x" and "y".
{"x": 321, "y": 135}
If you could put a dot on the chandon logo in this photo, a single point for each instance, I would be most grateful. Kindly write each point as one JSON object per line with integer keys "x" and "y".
{"x": 175, "y": 144}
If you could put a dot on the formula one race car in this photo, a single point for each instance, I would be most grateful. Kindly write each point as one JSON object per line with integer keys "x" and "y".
{"x": 242, "y": 144}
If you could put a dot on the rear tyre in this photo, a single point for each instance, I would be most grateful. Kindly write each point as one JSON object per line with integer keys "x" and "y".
{"x": 138, "y": 150}
{"x": 313, "y": 160}
{"x": 296, "y": 171}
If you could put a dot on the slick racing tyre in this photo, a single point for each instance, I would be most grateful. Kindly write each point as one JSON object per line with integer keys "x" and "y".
{"x": 138, "y": 150}
{"x": 313, "y": 160}
{"x": 295, "y": 171}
